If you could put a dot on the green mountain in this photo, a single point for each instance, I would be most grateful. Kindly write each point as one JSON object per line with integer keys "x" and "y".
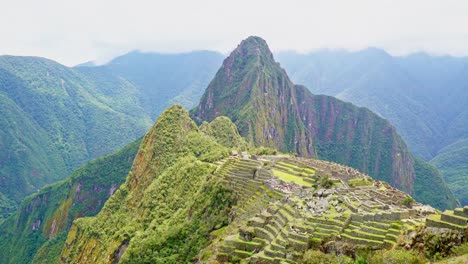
{"x": 269, "y": 110}
{"x": 37, "y": 231}
{"x": 186, "y": 201}
{"x": 55, "y": 118}
{"x": 453, "y": 162}
{"x": 425, "y": 97}
{"x": 167, "y": 205}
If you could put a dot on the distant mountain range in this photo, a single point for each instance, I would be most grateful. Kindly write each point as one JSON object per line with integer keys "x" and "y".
{"x": 425, "y": 97}
{"x": 161, "y": 79}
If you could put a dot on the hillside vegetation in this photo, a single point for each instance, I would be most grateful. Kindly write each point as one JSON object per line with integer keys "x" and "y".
{"x": 38, "y": 229}
{"x": 172, "y": 190}
{"x": 453, "y": 162}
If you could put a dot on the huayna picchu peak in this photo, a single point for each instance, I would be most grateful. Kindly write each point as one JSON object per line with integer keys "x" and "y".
{"x": 269, "y": 110}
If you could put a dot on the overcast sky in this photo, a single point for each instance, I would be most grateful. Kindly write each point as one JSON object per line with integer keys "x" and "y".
{"x": 75, "y": 31}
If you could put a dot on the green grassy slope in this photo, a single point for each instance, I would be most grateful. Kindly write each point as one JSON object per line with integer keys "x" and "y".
{"x": 453, "y": 162}
{"x": 171, "y": 190}
{"x": 41, "y": 223}
{"x": 53, "y": 120}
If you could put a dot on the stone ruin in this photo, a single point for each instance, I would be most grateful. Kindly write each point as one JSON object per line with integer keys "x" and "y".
{"x": 277, "y": 220}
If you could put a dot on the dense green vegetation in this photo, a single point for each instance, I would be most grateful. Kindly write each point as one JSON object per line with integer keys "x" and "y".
{"x": 53, "y": 121}
{"x": 224, "y": 132}
{"x": 429, "y": 178}
{"x": 269, "y": 110}
{"x": 24, "y": 162}
{"x": 6, "y": 206}
{"x": 203, "y": 205}
{"x": 172, "y": 190}
{"x": 170, "y": 201}
{"x": 39, "y": 227}
{"x": 453, "y": 162}
{"x": 175, "y": 202}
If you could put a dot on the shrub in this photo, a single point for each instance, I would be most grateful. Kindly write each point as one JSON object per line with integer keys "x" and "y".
{"x": 437, "y": 246}
{"x": 326, "y": 183}
{"x": 460, "y": 250}
{"x": 407, "y": 201}
{"x": 396, "y": 257}
{"x": 263, "y": 151}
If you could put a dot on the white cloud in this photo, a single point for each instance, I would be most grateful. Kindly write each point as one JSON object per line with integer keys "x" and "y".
{"x": 76, "y": 31}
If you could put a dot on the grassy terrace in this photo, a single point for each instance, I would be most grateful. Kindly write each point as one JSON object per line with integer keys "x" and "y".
{"x": 296, "y": 169}
{"x": 361, "y": 182}
{"x": 287, "y": 177}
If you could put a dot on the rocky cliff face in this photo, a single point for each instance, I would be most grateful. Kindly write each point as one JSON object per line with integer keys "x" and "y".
{"x": 252, "y": 90}
{"x": 269, "y": 110}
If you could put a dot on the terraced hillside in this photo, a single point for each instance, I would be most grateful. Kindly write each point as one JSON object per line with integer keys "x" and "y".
{"x": 287, "y": 205}
{"x": 456, "y": 219}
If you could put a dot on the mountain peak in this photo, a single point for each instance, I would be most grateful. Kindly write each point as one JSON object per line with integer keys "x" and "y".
{"x": 254, "y": 41}
{"x": 252, "y": 47}
{"x": 163, "y": 139}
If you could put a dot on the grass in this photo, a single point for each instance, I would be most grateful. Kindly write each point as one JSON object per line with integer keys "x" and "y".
{"x": 359, "y": 182}
{"x": 291, "y": 178}
{"x": 296, "y": 169}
